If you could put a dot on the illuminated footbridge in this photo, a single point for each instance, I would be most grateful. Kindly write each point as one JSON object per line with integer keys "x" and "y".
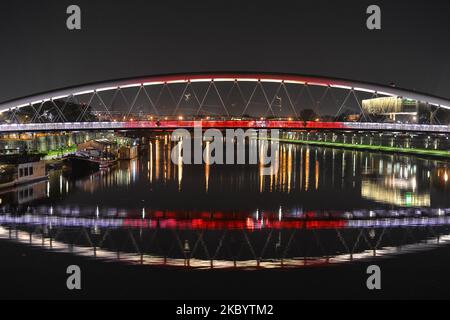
{"x": 228, "y": 100}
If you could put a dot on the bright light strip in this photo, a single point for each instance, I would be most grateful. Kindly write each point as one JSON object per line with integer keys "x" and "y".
{"x": 201, "y": 80}
{"x": 248, "y": 79}
{"x": 83, "y": 92}
{"x": 107, "y": 89}
{"x": 177, "y": 81}
{"x": 321, "y": 84}
{"x": 60, "y": 97}
{"x": 294, "y": 82}
{"x": 130, "y": 85}
{"x": 153, "y": 83}
{"x": 341, "y": 86}
{"x": 224, "y": 79}
{"x": 271, "y": 80}
{"x": 364, "y": 90}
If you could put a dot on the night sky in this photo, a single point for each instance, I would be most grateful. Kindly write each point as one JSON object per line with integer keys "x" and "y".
{"x": 135, "y": 38}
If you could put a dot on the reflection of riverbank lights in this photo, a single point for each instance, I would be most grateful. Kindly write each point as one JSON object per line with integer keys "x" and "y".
{"x": 409, "y": 199}
{"x": 186, "y": 246}
{"x": 97, "y": 212}
{"x": 143, "y": 213}
{"x": 446, "y": 176}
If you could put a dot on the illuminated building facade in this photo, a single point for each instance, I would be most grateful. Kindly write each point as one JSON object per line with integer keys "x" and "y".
{"x": 397, "y": 109}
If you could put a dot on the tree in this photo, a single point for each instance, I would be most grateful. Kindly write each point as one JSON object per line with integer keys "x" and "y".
{"x": 308, "y": 115}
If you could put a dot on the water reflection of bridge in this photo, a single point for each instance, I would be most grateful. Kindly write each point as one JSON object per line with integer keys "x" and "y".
{"x": 388, "y": 179}
{"x": 263, "y": 242}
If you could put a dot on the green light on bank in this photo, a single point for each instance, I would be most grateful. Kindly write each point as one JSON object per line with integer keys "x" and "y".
{"x": 409, "y": 199}
{"x": 436, "y": 153}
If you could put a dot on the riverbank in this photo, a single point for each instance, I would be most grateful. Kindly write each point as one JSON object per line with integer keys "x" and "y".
{"x": 408, "y": 151}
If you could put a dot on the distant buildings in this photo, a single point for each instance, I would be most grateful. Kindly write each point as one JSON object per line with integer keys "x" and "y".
{"x": 395, "y": 109}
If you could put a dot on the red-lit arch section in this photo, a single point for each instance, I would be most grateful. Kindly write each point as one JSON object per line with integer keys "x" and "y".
{"x": 217, "y": 96}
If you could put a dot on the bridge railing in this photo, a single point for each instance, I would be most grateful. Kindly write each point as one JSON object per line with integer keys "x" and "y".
{"x": 257, "y": 124}
{"x": 397, "y": 127}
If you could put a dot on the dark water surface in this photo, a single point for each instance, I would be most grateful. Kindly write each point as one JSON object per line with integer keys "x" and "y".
{"x": 324, "y": 207}
{"x": 309, "y": 179}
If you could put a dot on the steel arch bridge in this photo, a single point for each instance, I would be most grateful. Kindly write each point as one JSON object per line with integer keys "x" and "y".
{"x": 217, "y": 99}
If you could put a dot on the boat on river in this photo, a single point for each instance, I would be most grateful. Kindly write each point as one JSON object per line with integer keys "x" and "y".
{"x": 84, "y": 161}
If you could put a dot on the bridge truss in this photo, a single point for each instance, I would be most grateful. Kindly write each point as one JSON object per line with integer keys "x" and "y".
{"x": 215, "y": 96}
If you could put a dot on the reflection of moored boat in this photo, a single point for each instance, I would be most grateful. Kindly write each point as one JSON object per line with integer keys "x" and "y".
{"x": 80, "y": 163}
{"x": 105, "y": 164}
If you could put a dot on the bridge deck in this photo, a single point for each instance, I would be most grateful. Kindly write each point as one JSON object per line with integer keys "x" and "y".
{"x": 246, "y": 124}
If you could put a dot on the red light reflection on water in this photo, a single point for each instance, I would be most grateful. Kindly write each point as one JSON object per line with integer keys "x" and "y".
{"x": 242, "y": 224}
